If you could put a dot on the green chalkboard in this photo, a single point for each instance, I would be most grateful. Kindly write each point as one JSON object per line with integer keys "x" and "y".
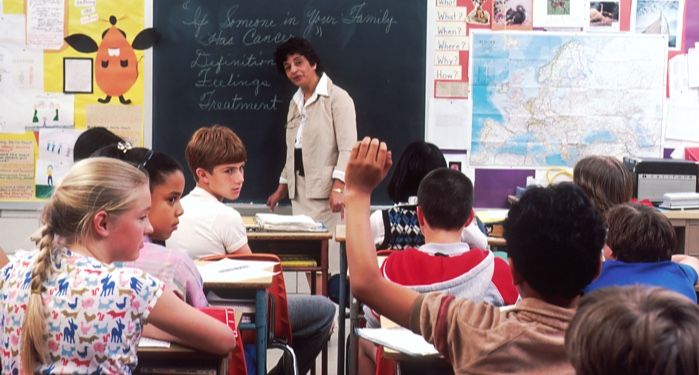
{"x": 213, "y": 64}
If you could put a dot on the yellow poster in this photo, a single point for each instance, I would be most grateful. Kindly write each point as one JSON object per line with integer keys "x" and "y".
{"x": 17, "y": 153}
{"x": 92, "y": 19}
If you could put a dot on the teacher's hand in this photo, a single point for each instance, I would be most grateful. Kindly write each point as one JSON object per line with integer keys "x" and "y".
{"x": 278, "y": 195}
{"x": 337, "y": 201}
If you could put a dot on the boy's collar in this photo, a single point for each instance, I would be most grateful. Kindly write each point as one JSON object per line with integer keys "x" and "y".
{"x": 202, "y": 192}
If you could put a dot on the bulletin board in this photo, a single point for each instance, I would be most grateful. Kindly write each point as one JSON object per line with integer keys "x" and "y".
{"x": 52, "y": 92}
{"x": 461, "y": 65}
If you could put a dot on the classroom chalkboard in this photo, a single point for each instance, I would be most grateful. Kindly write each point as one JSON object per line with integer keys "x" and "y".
{"x": 213, "y": 65}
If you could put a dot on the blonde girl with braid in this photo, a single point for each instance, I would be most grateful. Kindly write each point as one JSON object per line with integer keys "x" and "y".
{"x": 66, "y": 309}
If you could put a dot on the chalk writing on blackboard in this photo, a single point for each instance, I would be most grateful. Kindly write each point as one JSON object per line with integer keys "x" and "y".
{"x": 231, "y": 47}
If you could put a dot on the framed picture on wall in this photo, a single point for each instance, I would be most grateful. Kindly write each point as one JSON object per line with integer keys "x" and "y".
{"x": 77, "y": 75}
{"x": 455, "y": 165}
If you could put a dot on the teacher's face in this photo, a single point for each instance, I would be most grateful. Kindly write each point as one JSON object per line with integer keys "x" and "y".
{"x": 299, "y": 71}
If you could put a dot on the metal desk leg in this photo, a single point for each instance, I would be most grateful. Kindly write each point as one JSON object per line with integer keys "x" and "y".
{"x": 353, "y": 345}
{"x": 341, "y": 313}
{"x": 261, "y": 327}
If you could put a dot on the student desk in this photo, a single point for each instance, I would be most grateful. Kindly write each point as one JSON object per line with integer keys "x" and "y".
{"x": 250, "y": 290}
{"x": 288, "y": 244}
{"x": 686, "y": 224}
{"x": 178, "y": 359}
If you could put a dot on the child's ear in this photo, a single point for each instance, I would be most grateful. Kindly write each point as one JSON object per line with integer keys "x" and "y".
{"x": 202, "y": 175}
{"x": 420, "y": 217}
{"x": 608, "y": 252}
{"x": 100, "y": 224}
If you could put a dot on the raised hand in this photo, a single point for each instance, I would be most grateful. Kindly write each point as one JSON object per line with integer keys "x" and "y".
{"x": 368, "y": 164}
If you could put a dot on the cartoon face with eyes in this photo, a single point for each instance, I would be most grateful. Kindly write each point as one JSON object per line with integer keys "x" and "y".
{"x": 116, "y": 67}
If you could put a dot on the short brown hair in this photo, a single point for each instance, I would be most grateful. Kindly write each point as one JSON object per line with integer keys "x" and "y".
{"x": 214, "y": 145}
{"x": 605, "y": 180}
{"x": 639, "y": 233}
{"x": 634, "y": 330}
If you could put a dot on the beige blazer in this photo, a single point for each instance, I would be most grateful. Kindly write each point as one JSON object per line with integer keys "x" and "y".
{"x": 328, "y": 137}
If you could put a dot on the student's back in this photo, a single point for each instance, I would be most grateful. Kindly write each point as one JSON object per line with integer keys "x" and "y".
{"x": 444, "y": 263}
{"x": 641, "y": 242}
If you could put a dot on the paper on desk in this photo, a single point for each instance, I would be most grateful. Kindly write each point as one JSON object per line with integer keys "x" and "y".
{"x": 399, "y": 339}
{"x": 287, "y": 222}
{"x": 235, "y": 270}
{"x": 147, "y": 342}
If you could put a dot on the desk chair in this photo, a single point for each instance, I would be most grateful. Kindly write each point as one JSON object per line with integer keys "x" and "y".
{"x": 280, "y": 328}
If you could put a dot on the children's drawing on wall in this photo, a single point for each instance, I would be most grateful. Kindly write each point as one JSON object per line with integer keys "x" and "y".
{"x": 659, "y": 17}
{"x": 51, "y": 111}
{"x": 479, "y": 15}
{"x": 512, "y": 15}
{"x": 116, "y": 67}
{"x": 55, "y": 158}
{"x": 604, "y": 15}
{"x": 558, "y": 7}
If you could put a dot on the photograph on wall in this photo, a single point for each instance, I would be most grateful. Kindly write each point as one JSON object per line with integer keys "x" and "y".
{"x": 604, "y": 16}
{"x": 480, "y": 14}
{"x": 569, "y": 14}
{"x": 512, "y": 15}
{"x": 659, "y": 17}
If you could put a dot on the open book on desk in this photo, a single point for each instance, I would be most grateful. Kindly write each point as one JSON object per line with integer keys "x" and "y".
{"x": 399, "y": 339}
{"x": 288, "y": 223}
{"x": 236, "y": 271}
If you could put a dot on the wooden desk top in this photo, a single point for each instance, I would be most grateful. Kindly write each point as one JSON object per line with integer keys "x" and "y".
{"x": 260, "y": 281}
{"x": 681, "y": 214}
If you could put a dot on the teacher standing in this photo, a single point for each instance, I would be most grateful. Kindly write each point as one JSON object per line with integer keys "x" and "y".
{"x": 321, "y": 129}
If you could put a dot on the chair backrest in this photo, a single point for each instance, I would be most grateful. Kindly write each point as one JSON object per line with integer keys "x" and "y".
{"x": 280, "y": 324}
{"x": 236, "y": 360}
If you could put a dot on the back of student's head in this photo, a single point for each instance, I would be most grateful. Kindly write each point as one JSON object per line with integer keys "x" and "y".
{"x": 92, "y": 140}
{"x": 156, "y": 165}
{"x": 296, "y": 45}
{"x": 445, "y": 197}
{"x": 605, "y": 180}
{"x": 634, "y": 330}
{"x": 555, "y": 238}
{"x": 92, "y": 185}
{"x": 639, "y": 233}
{"x": 418, "y": 159}
{"x": 214, "y": 145}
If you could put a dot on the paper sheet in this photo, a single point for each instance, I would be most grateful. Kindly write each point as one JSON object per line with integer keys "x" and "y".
{"x": 449, "y": 124}
{"x": 12, "y": 29}
{"x": 55, "y": 158}
{"x": 399, "y": 339}
{"x": 693, "y": 68}
{"x": 147, "y": 342}
{"x": 51, "y": 111}
{"x": 45, "y": 23}
{"x": 124, "y": 120}
{"x": 682, "y": 121}
{"x": 17, "y": 166}
{"x": 234, "y": 270}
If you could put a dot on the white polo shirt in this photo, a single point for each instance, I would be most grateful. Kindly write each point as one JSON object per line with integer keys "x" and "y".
{"x": 208, "y": 226}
